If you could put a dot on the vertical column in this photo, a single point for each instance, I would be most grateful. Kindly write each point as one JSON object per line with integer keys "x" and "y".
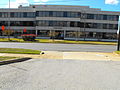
{"x": 36, "y": 31}
{"x": 64, "y": 33}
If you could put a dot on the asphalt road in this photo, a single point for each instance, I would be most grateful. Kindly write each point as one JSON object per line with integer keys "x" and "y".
{"x": 42, "y": 74}
{"x": 60, "y": 47}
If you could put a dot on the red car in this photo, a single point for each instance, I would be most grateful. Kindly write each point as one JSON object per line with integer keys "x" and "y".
{"x": 28, "y": 37}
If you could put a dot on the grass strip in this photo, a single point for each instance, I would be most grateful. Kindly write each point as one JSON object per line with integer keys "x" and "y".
{"x": 58, "y": 41}
{"x": 4, "y": 58}
{"x": 118, "y": 52}
{"x": 19, "y": 51}
{"x": 75, "y": 42}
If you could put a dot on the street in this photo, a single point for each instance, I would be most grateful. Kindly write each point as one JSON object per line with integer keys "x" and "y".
{"x": 44, "y": 74}
{"x": 60, "y": 47}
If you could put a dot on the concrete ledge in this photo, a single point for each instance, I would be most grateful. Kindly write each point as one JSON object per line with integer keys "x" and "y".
{"x": 13, "y": 61}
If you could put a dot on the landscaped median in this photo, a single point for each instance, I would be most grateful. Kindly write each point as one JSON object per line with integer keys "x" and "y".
{"x": 10, "y": 59}
{"x": 58, "y": 41}
{"x": 118, "y": 52}
{"x": 19, "y": 51}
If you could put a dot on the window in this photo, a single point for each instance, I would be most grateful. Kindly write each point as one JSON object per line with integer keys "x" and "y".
{"x": 98, "y": 17}
{"x": 0, "y": 14}
{"x": 110, "y": 26}
{"x": 104, "y": 17}
{"x": 88, "y": 25}
{"x": 24, "y": 14}
{"x": 50, "y": 14}
{"x": 90, "y": 16}
{"x": 72, "y": 24}
{"x": 64, "y": 14}
{"x": 12, "y": 14}
{"x": 105, "y": 26}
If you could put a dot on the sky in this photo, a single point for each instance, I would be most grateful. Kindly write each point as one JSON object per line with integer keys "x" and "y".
{"x": 105, "y": 5}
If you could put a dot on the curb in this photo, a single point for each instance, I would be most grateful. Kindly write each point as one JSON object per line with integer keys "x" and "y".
{"x": 13, "y": 61}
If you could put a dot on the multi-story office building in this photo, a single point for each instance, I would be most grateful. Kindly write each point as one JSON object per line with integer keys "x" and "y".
{"x": 68, "y": 22}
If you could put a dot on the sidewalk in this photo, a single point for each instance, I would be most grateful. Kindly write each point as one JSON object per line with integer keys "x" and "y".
{"x": 71, "y": 55}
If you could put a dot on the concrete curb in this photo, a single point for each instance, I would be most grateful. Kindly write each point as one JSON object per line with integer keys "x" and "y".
{"x": 13, "y": 61}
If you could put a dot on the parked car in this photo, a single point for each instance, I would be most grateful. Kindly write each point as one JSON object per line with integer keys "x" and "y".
{"x": 28, "y": 37}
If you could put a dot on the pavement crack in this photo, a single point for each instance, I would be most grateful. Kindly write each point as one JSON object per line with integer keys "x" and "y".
{"x": 18, "y": 68}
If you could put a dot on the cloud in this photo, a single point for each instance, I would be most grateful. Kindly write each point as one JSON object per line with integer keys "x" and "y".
{"x": 41, "y": 0}
{"x": 16, "y": 3}
{"x": 112, "y": 2}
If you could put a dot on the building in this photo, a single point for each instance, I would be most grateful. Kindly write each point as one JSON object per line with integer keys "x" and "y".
{"x": 62, "y": 22}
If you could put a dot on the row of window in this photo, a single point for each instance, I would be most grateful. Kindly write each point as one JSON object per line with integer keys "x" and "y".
{"x": 61, "y": 24}
{"x": 77, "y": 24}
{"x": 76, "y": 15}
{"x": 18, "y": 23}
{"x": 17, "y": 14}
{"x": 59, "y": 14}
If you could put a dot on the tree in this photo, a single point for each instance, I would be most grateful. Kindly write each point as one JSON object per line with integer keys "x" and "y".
{"x": 8, "y": 33}
{"x": 52, "y": 34}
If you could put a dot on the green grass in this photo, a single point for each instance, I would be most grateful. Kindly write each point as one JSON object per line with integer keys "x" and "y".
{"x": 19, "y": 51}
{"x": 75, "y": 42}
{"x": 58, "y": 41}
{"x": 3, "y": 58}
{"x": 118, "y": 52}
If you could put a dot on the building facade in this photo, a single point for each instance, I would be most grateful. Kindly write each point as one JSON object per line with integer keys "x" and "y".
{"x": 61, "y": 22}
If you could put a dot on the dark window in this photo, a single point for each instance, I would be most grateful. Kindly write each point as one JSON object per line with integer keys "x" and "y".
{"x": 78, "y": 14}
{"x": 116, "y": 26}
{"x": 105, "y": 26}
{"x": 80, "y": 24}
{"x": 98, "y": 17}
{"x": 50, "y": 23}
{"x": 64, "y": 14}
{"x": 37, "y": 13}
{"x": 90, "y": 16}
{"x": 110, "y": 26}
{"x": 72, "y": 24}
{"x": 12, "y": 14}
{"x": 104, "y": 17}
{"x": 88, "y": 25}
{"x": 24, "y": 14}
{"x": 50, "y": 14}
{"x": 95, "y": 25}
{"x": 0, "y": 14}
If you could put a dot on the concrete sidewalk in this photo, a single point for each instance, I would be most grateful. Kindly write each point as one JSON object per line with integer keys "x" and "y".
{"x": 70, "y": 55}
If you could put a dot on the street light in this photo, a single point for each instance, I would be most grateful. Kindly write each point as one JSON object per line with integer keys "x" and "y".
{"x": 9, "y": 21}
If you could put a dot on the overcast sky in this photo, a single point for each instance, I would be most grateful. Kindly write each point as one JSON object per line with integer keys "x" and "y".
{"x": 107, "y": 5}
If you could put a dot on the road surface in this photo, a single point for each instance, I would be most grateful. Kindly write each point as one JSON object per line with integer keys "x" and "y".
{"x": 60, "y": 47}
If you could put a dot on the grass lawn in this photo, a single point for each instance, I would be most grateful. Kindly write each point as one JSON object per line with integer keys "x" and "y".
{"x": 19, "y": 51}
{"x": 118, "y": 52}
{"x": 3, "y": 58}
{"x": 75, "y": 42}
{"x": 58, "y": 41}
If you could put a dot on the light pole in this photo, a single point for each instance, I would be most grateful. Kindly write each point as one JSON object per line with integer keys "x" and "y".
{"x": 9, "y": 22}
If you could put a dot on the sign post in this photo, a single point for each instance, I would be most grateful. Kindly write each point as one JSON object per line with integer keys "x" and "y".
{"x": 118, "y": 46}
